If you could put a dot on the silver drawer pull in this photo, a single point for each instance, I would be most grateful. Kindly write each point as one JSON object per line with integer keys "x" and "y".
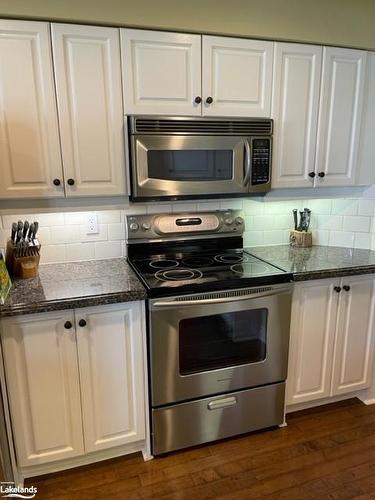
{"x": 222, "y": 403}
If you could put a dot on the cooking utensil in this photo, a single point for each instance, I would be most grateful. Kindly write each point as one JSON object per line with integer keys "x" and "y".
{"x": 25, "y": 229}
{"x": 307, "y": 218}
{"x": 14, "y": 231}
{"x": 295, "y": 218}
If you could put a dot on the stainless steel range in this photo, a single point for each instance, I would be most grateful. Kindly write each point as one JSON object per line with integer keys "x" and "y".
{"x": 218, "y": 328}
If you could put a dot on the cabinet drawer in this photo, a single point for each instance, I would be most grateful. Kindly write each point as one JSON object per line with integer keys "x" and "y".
{"x": 208, "y": 419}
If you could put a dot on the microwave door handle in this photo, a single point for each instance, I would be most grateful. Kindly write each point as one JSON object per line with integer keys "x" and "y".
{"x": 247, "y": 163}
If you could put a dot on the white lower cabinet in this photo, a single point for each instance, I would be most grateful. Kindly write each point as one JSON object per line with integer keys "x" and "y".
{"x": 332, "y": 336}
{"x": 75, "y": 389}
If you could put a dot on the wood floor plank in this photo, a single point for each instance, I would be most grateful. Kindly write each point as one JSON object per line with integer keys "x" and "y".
{"x": 324, "y": 453}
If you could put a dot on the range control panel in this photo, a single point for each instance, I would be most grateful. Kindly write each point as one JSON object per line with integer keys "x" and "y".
{"x": 260, "y": 160}
{"x": 156, "y": 226}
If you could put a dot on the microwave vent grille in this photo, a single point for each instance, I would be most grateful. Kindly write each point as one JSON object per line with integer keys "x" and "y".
{"x": 252, "y": 127}
{"x": 225, "y": 294}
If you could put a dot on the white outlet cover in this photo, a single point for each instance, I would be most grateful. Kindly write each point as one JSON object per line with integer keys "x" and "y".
{"x": 92, "y": 224}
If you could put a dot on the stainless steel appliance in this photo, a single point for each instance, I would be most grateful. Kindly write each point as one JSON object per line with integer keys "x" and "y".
{"x": 187, "y": 157}
{"x": 218, "y": 328}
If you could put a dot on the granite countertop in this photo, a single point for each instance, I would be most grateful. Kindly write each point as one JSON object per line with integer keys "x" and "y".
{"x": 77, "y": 284}
{"x": 318, "y": 261}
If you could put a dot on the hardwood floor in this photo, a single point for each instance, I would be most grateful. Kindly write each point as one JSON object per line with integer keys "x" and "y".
{"x": 323, "y": 453}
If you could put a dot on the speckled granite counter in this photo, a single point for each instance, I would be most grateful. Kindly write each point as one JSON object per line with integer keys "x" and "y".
{"x": 78, "y": 284}
{"x": 318, "y": 261}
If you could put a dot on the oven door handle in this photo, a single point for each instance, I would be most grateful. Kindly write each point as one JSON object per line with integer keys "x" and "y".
{"x": 247, "y": 163}
{"x": 219, "y": 300}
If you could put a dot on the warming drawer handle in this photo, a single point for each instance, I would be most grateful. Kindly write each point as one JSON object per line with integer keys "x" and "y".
{"x": 217, "y": 404}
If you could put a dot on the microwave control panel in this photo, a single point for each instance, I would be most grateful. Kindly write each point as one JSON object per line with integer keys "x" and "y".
{"x": 260, "y": 160}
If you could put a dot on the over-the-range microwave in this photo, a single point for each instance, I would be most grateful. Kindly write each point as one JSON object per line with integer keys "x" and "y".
{"x": 176, "y": 158}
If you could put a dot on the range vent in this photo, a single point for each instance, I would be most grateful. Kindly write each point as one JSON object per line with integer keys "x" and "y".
{"x": 188, "y": 126}
{"x": 226, "y": 294}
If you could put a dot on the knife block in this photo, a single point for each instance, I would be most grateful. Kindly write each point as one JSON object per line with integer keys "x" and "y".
{"x": 21, "y": 267}
{"x": 300, "y": 239}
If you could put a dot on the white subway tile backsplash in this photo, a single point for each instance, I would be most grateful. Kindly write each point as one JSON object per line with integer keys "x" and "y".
{"x": 253, "y": 238}
{"x": 362, "y": 240}
{"x": 184, "y": 207}
{"x": 154, "y": 208}
{"x": 80, "y": 251}
{"x": 236, "y": 204}
{"x": 341, "y": 239}
{"x": 75, "y": 218}
{"x": 109, "y": 216}
{"x": 108, "y": 249}
{"x": 208, "y": 206}
{"x": 116, "y": 231}
{"x": 357, "y": 223}
{"x": 320, "y": 237}
{"x": 53, "y": 254}
{"x": 345, "y": 207}
{"x": 64, "y": 234}
{"x": 102, "y": 235}
{"x": 318, "y": 207}
{"x": 253, "y": 207}
{"x": 366, "y": 207}
{"x": 273, "y": 237}
{"x": 333, "y": 222}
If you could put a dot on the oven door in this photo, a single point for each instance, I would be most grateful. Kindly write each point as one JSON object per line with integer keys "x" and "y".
{"x": 205, "y": 346}
{"x": 183, "y": 166}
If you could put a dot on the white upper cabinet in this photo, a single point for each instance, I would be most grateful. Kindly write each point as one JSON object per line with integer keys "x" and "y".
{"x": 236, "y": 75}
{"x": 367, "y": 142}
{"x": 111, "y": 359}
{"x": 161, "y": 72}
{"x": 89, "y": 95}
{"x": 353, "y": 362}
{"x": 43, "y": 385}
{"x": 30, "y": 157}
{"x": 341, "y": 103}
{"x": 295, "y": 103}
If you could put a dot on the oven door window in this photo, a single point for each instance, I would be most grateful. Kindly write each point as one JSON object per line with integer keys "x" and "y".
{"x": 222, "y": 340}
{"x": 190, "y": 165}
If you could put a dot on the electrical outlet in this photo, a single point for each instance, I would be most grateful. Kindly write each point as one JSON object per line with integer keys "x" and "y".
{"x": 92, "y": 224}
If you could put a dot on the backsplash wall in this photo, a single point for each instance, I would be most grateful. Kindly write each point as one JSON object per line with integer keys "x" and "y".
{"x": 335, "y": 221}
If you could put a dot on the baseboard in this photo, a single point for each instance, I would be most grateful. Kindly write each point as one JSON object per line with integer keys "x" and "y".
{"x": 367, "y": 402}
{"x": 326, "y": 401}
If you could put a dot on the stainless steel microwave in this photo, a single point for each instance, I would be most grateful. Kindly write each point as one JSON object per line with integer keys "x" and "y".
{"x": 186, "y": 157}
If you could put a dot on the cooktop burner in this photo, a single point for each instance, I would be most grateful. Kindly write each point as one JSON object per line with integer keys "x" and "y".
{"x": 163, "y": 263}
{"x": 179, "y": 274}
{"x": 228, "y": 258}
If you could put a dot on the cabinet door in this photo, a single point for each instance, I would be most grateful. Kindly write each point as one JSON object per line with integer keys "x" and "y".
{"x": 112, "y": 375}
{"x": 366, "y": 173}
{"x": 295, "y": 102}
{"x": 88, "y": 81}
{"x": 30, "y": 156}
{"x": 355, "y": 335}
{"x": 41, "y": 368}
{"x": 343, "y": 78}
{"x": 237, "y": 75}
{"x": 313, "y": 325}
{"x": 161, "y": 72}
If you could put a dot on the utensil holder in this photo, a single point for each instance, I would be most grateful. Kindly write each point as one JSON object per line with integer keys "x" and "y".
{"x": 300, "y": 239}
{"x": 22, "y": 267}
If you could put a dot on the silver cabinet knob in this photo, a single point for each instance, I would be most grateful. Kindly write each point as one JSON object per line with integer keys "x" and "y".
{"x": 238, "y": 221}
{"x": 134, "y": 226}
{"x": 146, "y": 226}
{"x": 228, "y": 221}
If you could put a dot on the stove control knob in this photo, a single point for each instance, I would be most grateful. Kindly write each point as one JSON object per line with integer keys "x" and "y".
{"x": 228, "y": 221}
{"x": 238, "y": 221}
{"x": 133, "y": 226}
{"x": 146, "y": 226}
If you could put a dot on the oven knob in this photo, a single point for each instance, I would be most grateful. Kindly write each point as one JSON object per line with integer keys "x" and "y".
{"x": 133, "y": 226}
{"x": 228, "y": 221}
{"x": 146, "y": 226}
{"x": 238, "y": 221}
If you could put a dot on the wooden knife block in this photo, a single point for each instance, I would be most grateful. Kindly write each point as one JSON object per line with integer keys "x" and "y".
{"x": 21, "y": 267}
{"x": 300, "y": 239}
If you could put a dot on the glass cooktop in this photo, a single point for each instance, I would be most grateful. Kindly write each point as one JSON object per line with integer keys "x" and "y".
{"x": 206, "y": 270}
